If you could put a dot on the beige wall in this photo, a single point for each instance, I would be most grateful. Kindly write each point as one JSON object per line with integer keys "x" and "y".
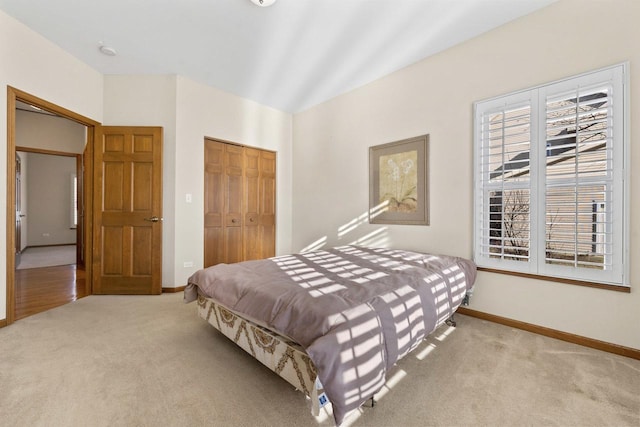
{"x": 48, "y": 213}
{"x": 435, "y": 96}
{"x": 188, "y": 112}
{"x": 46, "y": 132}
{"x": 37, "y": 66}
{"x": 205, "y": 111}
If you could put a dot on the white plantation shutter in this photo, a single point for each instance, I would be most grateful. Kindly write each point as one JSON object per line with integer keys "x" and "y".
{"x": 504, "y": 182}
{"x": 550, "y": 187}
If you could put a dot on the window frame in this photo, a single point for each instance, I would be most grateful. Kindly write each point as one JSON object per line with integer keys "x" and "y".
{"x": 536, "y": 97}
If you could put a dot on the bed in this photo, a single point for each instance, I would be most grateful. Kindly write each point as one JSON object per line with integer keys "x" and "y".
{"x": 332, "y": 322}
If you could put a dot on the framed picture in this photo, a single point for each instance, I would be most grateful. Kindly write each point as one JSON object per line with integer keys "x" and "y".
{"x": 398, "y": 182}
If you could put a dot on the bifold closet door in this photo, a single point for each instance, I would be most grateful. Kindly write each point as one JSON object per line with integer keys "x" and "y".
{"x": 267, "y": 204}
{"x": 259, "y": 216}
{"x": 223, "y": 187}
{"x": 239, "y": 217}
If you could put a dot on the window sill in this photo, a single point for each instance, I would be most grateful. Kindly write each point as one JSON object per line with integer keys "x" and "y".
{"x": 617, "y": 288}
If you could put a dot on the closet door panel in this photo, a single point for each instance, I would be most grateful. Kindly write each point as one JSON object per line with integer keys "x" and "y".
{"x": 213, "y": 246}
{"x": 233, "y": 244}
{"x": 234, "y": 164}
{"x": 268, "y": 203}
{"x": 214, "y": 185}
{"x": 252, "y": 239}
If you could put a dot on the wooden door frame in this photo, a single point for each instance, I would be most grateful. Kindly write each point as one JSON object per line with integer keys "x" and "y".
{"x": 14, "y": 95}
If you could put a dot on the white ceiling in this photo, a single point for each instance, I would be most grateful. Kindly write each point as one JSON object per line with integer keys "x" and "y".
{"x": 290, "y": 56}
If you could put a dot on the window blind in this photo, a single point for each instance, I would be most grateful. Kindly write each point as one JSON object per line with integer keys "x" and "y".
{"x": 506, "y": 179}
{"x": 550, "y": 179}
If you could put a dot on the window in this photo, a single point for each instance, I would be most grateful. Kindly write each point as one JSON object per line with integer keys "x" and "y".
{"x": 550, "y": 179}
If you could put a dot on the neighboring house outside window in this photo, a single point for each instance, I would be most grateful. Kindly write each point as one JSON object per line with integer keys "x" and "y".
{"x": 550, "y": 179}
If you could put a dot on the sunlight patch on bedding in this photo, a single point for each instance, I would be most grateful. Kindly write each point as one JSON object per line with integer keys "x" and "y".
{"x": 315, "y": 283}
{"x": 300, "y": 271}
{"x": 360, "y": 349}
{"x": 437, "y": 286}
{"x": 376, "y": 276}
{"x": 288, "y": 263}
{"x": 308, "y": 276}
{"x": 443, "y": 308}
{"x": 358, "y": 394}
{"x": 326, "y": 290}
{"x": 354, "y": 415}
{"x": 359, "y": 330}
{"x": 360, "y": 370}
{"x": 440, "y": 298}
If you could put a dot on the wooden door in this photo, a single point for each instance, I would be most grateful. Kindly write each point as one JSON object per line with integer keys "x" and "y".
{"x": 233, "y": 190}
{"x": 252, "y": 230}
{"x": 260, "y": 204}
{"x": 213, "y": 203}
{"x": 127, "y": 250}
{"x": 267, "y": 204}
{"x": 223, "y": 188}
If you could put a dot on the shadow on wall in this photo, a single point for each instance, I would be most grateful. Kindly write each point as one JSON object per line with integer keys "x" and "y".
{"x": 353, "y": 233}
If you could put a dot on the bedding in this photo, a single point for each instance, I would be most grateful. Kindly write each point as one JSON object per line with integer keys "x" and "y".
{"x": 281, "y": 355}
{"x": 354, "y": 310}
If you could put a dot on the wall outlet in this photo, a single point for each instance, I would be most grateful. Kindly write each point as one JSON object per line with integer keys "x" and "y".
{"x": 46, "y": 234}
{"x": 188, "y": 198}
{"x": 188, "y": 264}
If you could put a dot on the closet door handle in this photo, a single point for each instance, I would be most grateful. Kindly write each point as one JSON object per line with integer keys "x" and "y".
{"x": 152, "y": 219}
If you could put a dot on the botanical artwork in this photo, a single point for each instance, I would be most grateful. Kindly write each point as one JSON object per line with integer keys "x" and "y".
{"x": 399, "y": 181}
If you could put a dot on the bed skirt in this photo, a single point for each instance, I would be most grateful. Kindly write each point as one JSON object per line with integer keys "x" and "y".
{"x": 282, "y": 356}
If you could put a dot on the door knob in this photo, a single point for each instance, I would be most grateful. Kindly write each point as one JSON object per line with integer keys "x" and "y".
{"x": 152, "y": 219}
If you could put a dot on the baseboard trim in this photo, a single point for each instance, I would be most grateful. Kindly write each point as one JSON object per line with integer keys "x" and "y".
{"x": 173, "y": 290}
{"x": 3, "y": 323}
{"x": 48, "y": 246}
{"x": 552, "y": 333}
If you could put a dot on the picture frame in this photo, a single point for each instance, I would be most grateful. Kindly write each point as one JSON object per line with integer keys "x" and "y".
{"x": 398, "y": 182}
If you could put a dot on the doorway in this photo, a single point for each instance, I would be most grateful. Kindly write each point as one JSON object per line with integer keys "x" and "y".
{"x": 49, "y": 270}
{"x": 62, "y": 275}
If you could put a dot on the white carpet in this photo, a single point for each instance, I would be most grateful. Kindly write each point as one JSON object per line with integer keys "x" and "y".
{"x": 47, "y": 256}
{"x": 115, "y": 360}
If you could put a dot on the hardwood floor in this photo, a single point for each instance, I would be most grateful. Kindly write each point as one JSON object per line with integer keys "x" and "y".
{"x": 41, "y": 289}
